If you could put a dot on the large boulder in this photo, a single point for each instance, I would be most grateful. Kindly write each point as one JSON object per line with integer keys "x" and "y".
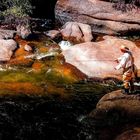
{"x": 76, "y": 32}
{"x": 117, "y": 103}
{"x": 117, "y": 115}
{"x": 6, "y": 49}
{"x": 99, "y": 14}
{"x": 96, "y": 59}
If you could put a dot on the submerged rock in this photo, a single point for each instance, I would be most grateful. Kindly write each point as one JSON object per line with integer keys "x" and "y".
{"x": 42, "y": 55}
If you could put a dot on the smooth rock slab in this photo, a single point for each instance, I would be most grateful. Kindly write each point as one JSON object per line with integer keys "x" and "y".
{"x": 100, "y": 15}
{"x": 96, "y": 59}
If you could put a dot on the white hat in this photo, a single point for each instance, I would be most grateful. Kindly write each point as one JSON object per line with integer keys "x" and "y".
{"x": 124, "y": 48}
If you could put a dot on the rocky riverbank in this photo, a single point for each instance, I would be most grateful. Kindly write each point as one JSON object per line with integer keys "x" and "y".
{"x": 61, "y": 84}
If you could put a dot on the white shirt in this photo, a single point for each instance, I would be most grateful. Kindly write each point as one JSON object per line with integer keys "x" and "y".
{"x": 125, "y": 61}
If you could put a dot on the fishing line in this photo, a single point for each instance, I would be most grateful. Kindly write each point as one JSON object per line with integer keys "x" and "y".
{"x": 91, "y": 60}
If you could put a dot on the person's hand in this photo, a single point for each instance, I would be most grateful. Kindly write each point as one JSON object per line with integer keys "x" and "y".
{"x": 116, "y": 60}
{"x": 116, "y": 68}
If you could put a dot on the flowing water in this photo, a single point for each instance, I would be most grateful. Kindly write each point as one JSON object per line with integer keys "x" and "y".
{"x": 50, "y": 117}
{"x": 41, "y": 99}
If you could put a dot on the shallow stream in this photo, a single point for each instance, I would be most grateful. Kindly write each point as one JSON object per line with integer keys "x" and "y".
{"x": 41, "y": 99}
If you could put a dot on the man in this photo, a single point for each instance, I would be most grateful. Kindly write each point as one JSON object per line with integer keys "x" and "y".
{"x": 126, "y": 62}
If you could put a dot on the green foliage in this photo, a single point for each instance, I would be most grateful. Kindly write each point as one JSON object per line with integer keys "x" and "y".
{"x": 18, "y": 8}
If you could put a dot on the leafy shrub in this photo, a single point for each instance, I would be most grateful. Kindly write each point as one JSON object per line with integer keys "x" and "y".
{"x": 17, "y": 8}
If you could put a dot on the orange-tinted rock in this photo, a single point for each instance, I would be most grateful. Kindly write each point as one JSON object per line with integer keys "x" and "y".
{"x": 21, "y": 52}
{"x": 70, "y": 72}
{"x": 19, "y": 40}
{"x": 43, "y": 49}
{"x": 21, "y": 88}
{"x": 19, "y": 57}
{"x": 37, "y": 66}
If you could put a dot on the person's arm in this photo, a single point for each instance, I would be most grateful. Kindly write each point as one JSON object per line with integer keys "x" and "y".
{"x": 120, "y": 58}
{"x": 122, "y": 63}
